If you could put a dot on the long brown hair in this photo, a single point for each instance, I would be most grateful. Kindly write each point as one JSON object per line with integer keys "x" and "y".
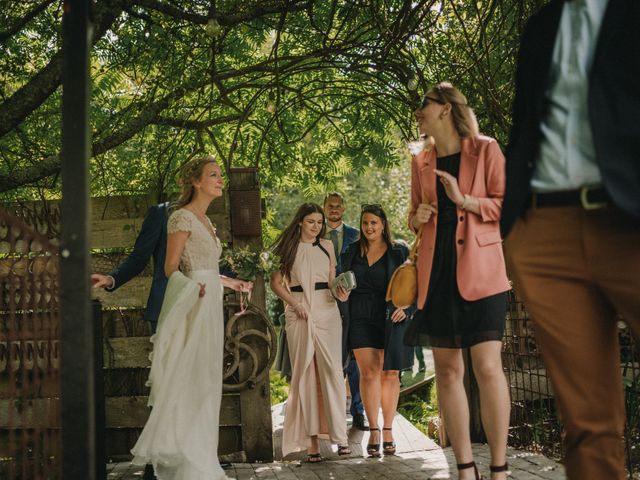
{"x": 189, "y": 173}
{"x": 286, "y": 245}
{"x": 378, "y": 211}
{"x": 464, "y": 120}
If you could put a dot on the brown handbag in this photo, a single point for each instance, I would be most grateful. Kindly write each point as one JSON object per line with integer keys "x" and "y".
{"x": 402, "y": 290}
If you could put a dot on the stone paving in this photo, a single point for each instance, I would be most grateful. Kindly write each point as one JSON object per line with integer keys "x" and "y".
{"x": 417, "y": 465}
{"x": 417, "y": 457}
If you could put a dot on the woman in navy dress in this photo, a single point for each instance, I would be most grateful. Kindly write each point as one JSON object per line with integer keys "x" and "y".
{"x": 376, "y": 327}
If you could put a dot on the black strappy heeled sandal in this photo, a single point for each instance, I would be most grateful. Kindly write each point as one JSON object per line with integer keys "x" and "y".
{"x": 344, "y": 450}
{"x": 314, "y": 458}
{"x": 389, "y": 448}
{"x": 373, "y": 449}
{"x": 464, "y": 466}
{"x": 499, "y": 468}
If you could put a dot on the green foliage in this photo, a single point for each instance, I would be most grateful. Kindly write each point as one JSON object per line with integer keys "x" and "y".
{"x": 279, "y": 387}
{"x": 388, "y": 187}
{"x": 309, "y": 91}
{"x": 421, "y": 408}
{"x": 249, "y": 263}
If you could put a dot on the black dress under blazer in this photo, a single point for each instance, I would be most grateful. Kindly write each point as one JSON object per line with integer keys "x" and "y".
{"x": 397, "y": 356}
{"x": 613, "y": 105}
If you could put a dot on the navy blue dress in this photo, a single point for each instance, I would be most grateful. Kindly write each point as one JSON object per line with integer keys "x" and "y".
{"x": 368, "y": 315}
{"x": 367, "y": 305}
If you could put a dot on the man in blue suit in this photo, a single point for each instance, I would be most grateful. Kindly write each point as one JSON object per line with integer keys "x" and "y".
{"x": 151, "y": 242}
{"x": 342, "y": 235}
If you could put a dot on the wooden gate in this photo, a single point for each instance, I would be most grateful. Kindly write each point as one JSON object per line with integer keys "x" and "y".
{"x": 30, "y": 446}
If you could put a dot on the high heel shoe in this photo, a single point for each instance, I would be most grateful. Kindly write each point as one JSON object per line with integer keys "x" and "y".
{"x": 373, "y": 449}
{"x": 499, "y": 468}
{"x": 389, "y": 448}
{"x": 464, "y": 466}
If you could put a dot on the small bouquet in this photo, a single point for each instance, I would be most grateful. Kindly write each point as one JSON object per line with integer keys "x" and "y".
{"x": 249, "y": 264}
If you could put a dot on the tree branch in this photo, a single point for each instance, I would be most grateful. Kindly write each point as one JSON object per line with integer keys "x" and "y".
{"x": 20, "y": 24}
{"x": 228, "y": 20}
{"x": 194, "y": 124}
{"x": 42, "y": 85}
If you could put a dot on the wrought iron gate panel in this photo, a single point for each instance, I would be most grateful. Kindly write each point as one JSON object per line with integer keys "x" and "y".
{"x": 30, "y": 446}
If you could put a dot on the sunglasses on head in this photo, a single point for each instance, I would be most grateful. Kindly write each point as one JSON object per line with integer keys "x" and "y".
{"x": 374, "y": 208}
{"x": 369, "y": 206}
{"x": 426, "y": 99}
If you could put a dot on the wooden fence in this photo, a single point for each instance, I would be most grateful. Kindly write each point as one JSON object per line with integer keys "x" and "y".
{"x": 245, "y": 419}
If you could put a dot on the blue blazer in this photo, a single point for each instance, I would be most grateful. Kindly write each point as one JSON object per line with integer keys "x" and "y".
{"x": 151, "y": 242}
{"x": 349, "y": 235}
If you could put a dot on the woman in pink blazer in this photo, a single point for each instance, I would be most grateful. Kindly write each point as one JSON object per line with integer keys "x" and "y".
{"x": 457, "y": 185}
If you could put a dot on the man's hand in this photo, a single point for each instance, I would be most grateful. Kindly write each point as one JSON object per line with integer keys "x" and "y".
{"x": 101, "y": 281}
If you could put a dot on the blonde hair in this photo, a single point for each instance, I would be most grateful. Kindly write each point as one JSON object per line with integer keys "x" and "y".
{"x": 189, "y": 173}
{"x": 464, "y": 120}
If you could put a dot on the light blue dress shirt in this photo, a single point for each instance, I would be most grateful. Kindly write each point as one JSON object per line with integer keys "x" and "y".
{"x": 567, "y": 158}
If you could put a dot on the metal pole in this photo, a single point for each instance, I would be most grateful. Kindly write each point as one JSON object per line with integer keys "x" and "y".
{"x": 77, "y": 340}
{"x": 101, "y": 428}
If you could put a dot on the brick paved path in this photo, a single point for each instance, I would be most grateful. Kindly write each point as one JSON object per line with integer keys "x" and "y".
{"x": 423, "y": 465}
{"x": 418, "y": 457}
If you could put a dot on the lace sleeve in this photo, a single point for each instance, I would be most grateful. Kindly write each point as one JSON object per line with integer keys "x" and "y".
{"x": 180, "y": 221}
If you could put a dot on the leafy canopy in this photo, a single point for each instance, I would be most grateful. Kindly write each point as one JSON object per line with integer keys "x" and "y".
{"x": 308, "y": 91}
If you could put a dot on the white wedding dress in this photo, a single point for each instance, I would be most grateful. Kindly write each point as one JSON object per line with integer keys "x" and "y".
{"x": 180, "y": 437}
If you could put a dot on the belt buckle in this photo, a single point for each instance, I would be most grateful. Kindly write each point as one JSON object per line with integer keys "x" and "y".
{"x": 584, "y": 201}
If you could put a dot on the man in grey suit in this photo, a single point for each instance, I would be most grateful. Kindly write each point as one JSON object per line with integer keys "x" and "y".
{"x": 341, "y": 236}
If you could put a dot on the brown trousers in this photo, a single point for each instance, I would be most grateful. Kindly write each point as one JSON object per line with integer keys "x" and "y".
{"x": 575, "y": 270}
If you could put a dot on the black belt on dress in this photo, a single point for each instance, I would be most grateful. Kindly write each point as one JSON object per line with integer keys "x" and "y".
{"x": 588, "y": 198}
{"x": 319, "y": 286}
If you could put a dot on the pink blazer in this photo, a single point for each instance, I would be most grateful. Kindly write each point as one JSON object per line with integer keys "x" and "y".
{"x": 481, "y": 269}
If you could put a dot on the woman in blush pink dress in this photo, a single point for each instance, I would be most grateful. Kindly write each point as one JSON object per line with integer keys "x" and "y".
{"x": 316, "y": 404}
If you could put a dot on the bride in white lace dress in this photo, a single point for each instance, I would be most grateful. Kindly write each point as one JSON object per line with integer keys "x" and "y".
{"x": 180, "y": 437}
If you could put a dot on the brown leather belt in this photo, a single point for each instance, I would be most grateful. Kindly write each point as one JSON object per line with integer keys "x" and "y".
{"x": 589, "y": 198}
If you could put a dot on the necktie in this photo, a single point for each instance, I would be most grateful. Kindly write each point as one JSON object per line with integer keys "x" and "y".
{"x": 333, "y": 235}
